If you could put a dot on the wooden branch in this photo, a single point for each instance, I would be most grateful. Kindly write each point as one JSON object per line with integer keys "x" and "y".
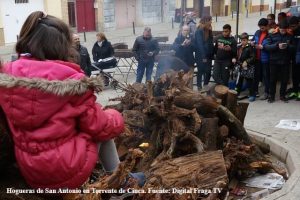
{"x": 236, "y": 127}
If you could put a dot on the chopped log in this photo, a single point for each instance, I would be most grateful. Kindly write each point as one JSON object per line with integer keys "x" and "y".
{"x": 221, "y": 93}
{"x": 191, "y": 171}
{"x": 209, "y": 132}
{"x": 241, "y": 111}
{"x": 236, "y": 127}
{"x": 231, "y": 101}
{"x": 223, "y": 134}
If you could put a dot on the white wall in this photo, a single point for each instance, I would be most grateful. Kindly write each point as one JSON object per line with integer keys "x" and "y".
{"x": 14, "y": 15}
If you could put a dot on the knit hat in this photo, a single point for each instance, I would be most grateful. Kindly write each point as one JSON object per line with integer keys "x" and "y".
{"x": 205, "y": 19}
{"x": 263, "y": 22}
{"x": 293, "y": 20}
{"x": 284, "y": 24}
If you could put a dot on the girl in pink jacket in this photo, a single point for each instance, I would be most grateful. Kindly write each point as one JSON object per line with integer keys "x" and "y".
{"x": 51, "y": 109}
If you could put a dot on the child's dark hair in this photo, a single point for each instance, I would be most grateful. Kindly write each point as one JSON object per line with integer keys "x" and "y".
{"x": 45, "y": 37}
{"x": 227, "y": 26}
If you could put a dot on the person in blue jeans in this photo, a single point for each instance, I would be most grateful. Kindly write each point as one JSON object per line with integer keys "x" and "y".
{"x": 145, "y": 49}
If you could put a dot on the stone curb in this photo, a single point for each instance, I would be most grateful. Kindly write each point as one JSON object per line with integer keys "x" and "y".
{"x": 287, "y": 155}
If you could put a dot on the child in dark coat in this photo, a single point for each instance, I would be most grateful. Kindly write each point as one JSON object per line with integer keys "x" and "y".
{"x": 246, "y": 58}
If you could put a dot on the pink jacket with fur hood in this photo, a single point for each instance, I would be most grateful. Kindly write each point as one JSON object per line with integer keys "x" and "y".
{"x": 55, "y": 121}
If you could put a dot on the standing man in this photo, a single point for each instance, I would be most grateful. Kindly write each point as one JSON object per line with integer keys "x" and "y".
{"x": 262, "y": 67}
{"x": 145, "y": 49}
{"x": 295, "y": 29}
{"x": 85, "y": 61}
{"x": 225, "y": 50}
{"x": 280, "y": 45}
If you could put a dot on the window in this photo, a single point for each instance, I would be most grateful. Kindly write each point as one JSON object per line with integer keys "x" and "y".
{"x": 21, "y": 1}
{"x": 190, "y": 4}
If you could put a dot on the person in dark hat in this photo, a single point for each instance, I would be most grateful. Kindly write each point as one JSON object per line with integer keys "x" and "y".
{"x": 280, "y": 45}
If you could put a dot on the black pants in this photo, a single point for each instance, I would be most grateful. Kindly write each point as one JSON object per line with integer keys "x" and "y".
{"x": 266, "y": 76}
{"x": 278, "y": 72}
{"x": 221, "y": 71}
{"x": 203, "y": 69}
{"x": 296, "y": 76}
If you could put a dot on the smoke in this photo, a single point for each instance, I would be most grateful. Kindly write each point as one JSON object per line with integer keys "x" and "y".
{"x": 167, "y": 63}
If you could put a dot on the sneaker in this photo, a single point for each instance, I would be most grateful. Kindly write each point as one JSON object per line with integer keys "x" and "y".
{"x": 298, "y": 97}
{"x": 265, "y": 97}
{"x": 271, "y": 100}
{"x": 292, "y": 95}
{"x": 257, "y": 95}
{"x": 252, "y": 98}
{"x": 284, "y": 99}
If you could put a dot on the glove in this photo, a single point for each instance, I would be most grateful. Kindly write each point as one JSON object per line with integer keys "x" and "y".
{"x": 244, "y": 65}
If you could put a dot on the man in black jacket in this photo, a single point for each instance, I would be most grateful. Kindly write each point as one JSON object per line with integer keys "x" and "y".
{"x": 225, "y": 50}
{"x": 85, "y": 61}
{"x": 280, "y": 45}
{"x": 145, "y": 49}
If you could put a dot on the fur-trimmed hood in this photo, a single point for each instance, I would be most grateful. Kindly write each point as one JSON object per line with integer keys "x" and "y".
{"x": 57, "y": 87}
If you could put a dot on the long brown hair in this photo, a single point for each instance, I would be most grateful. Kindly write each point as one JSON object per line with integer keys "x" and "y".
{"x": 205, "y": 24}
{"x": 45, "y": 37}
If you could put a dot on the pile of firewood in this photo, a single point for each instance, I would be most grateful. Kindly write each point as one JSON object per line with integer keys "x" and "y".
{"x": 188, "y": 140}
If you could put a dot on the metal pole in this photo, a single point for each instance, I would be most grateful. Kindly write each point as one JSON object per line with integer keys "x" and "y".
{"x": 133, "y": 28}
{"x": 275, "y": 7}
{"x": 181, "y": 19}
{"x": 217, "y": 17}
{"x": 247, "y": 13}
{"x": 232, "y": 14}
{"x": 84, "y": 36}
{"x": 172, "y": 23}
{"x": 237, "y": 18}
{"x": 271, "y": 10}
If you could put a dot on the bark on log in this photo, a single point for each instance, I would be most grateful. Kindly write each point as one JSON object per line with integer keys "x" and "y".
{"x": 231, "y": 101}
{"x": 241, "y": 111}
{"x": 236, "y": 127}
{"x": 209, "y": 132}
{"x": 195, "y": 170}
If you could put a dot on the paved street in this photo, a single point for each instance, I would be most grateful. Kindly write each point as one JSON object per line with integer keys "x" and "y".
{"x": 261, "y": 116}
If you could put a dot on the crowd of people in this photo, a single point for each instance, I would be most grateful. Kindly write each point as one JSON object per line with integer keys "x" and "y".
{"x": 272, "y": 54}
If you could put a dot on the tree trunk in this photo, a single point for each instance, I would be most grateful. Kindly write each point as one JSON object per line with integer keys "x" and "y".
{"x": 231, "y": 101}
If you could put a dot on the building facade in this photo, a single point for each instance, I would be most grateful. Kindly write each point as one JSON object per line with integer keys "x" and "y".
{"x": 103, "y": 15}
{"x": 14, "y": 13}
{"x": 226, "y": 7}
